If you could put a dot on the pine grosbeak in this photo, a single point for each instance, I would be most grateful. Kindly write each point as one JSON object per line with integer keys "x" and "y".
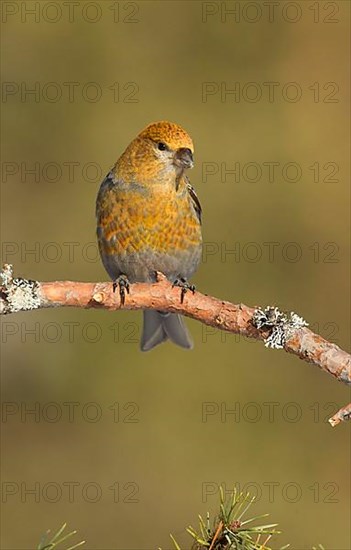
{"x": 149, "y": 219}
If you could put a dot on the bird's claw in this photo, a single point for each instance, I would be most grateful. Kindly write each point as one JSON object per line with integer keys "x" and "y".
{"x": 123, "y": 284}
{"x": 182, "y": 283}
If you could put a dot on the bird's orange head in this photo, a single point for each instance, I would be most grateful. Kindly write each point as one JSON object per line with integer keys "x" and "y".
{"x": 168, "y": 133}
{"x": 163, "y": 150}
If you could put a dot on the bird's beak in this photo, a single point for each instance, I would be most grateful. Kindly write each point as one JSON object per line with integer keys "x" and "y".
{"x": 183, "y": 158}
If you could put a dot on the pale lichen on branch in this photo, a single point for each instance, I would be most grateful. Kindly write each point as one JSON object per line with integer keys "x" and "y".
{"x": 17, "y": 294}
{"x": 282, "y": 326}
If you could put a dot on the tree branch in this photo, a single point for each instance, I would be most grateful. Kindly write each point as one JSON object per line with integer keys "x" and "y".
{"x": 275, "y": 328}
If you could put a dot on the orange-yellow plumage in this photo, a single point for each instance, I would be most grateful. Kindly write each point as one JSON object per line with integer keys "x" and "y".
{"x": 148, "y": 215}
{"x": 174, "y": 135}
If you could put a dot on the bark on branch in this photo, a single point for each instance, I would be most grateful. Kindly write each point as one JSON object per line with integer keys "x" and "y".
{"x": 275, "y": 328}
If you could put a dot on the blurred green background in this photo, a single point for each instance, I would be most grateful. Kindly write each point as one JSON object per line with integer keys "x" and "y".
{"x": 107, "y": 415}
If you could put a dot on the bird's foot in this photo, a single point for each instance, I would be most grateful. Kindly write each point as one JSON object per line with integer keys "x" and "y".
{"x": 123, "y": 284}
{"x": 182, "y": 283}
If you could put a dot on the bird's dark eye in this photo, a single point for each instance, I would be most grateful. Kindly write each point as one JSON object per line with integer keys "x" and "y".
{"x": 162, "y": 146}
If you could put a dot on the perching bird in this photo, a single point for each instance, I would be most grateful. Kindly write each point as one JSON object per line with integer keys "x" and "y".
{"x": 149, "y": 219}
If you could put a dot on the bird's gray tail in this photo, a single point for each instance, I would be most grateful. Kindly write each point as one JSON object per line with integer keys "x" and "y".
{"x": 159, "y": 326}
